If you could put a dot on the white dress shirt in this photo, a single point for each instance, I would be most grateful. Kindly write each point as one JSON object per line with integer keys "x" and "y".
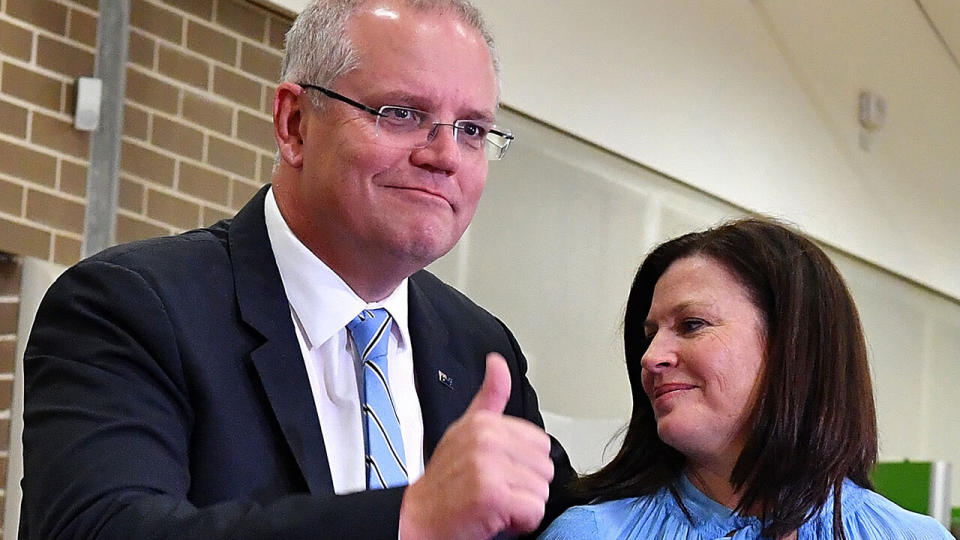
{"x": 321, "y": 305}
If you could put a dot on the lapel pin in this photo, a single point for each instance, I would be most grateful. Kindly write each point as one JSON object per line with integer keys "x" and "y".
{"x": 446, "y": 380}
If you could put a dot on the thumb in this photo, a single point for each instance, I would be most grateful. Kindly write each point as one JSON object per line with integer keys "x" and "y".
{"x": 495, "y": 391}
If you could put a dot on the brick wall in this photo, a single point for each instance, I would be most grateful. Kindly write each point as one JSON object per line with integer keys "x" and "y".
{"x": 197, "y": 137}
{"x": 9, "y": 312}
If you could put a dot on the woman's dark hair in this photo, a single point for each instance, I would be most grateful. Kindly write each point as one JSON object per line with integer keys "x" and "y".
{"x": 813, "y": 423}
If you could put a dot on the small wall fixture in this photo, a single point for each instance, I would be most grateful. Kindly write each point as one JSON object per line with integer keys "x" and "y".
{"x": 89, "y": 92}
{"x": 873, "y": 110}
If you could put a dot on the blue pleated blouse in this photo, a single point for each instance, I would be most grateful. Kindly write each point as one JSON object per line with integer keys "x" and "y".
{"x": 866, "y": 516}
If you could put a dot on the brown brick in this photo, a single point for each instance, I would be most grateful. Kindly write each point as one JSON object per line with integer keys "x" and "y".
{"x": 83, "y": 28}
{"x": 146, "y": 163}
{"x": 33, "y": 87}
{"x": 177, "y": 138}
{"x": 261, "y": 62}
{"x": 8, "y": 325}
{"x": 173, "y": 210}
{"x": 10, "y": 271}
{"x": 59, "y": 135}
{"x": 211, "y": 43}
{"x": 243, "y": 18}
{"x": 130, "y": 229}
{"x": 200, "y": 8}
{"x": 5, "y": 440}
{"x": 199, "y": 109}
{"x": 11, "y": 198}
{"x": 23, "y": 239}
{"x": 6, "y": 399}
{"x": 13, "y": 120}
{"x": 268, "y": 92}
{"x": 64, "y": 58}
{"x": 135, "y": 123}
{"x": 68, "y": 105}
{"x": 73, "y": 178}
{"x": 27, "y": 164}
{"x": 256, "y": 130}
{"x": 277, "y": 32}
{"x": 66, "y": 250}
{"x": 266, "y": 168}
{"x": 92, "y": 4}
{"x": 184, "y": 67}
{"x": 231, "y": 157}
{"x": 8, "y": 349}
{"x": 44, "y": 13}
{"x": 130, "y": 195}
{"x": 54, "y": 211}
{"x": 203, "y": 183}
{"x": 242, "y": 192}
{"x": 154, "y": 93}
{"x": 15, "y": 41}
{"x": 156, "y": 20}
{"x": 142, "y": 49}
{"x": 209, "y": 216}
{"x": 236, "y": 87}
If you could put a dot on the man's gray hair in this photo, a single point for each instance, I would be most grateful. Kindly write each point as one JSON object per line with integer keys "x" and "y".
{"x": 318, "y": 48}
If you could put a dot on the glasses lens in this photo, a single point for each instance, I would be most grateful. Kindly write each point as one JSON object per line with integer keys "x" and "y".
{"x": 403, "y": 127}
{"x": 497, "y": 143}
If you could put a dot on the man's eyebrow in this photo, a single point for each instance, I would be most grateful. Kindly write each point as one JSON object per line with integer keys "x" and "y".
{"x": 479, "y": 114}
{"x": 423, "y": 103}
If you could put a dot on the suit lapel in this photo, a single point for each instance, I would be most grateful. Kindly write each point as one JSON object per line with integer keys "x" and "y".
{"x": 444, "y": 384}
{"x": 278, "y": 361}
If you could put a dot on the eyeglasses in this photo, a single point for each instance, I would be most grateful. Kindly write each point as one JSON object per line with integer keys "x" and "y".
{"x": 404, "y": 127}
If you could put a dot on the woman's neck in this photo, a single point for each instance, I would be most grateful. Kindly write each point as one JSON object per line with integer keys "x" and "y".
{"x": 715, "y": 483}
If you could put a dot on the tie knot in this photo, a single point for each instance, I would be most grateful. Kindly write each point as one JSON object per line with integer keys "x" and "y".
{"x": 367, "y": 329}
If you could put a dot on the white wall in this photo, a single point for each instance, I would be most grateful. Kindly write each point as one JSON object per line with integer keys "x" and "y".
{"x": 554, "y": 246}
{"x": 755, "y": 102}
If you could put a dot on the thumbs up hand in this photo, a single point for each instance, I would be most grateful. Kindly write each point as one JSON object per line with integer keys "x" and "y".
{"x": 489, "y": 473}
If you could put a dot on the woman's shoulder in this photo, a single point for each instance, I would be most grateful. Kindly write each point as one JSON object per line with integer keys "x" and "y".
{"x": 872, "y": 515}
{"x": 657, "y": 515}
{"x": 609, "y": 519}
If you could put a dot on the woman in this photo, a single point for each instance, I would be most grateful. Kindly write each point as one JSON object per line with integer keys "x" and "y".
{"x": 753, "y": 413}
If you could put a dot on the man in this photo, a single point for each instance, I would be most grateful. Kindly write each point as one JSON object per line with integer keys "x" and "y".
{"x": 211, "y": 385}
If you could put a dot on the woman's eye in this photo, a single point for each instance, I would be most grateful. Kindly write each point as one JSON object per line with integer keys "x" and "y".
{"x": 692, "y": 325}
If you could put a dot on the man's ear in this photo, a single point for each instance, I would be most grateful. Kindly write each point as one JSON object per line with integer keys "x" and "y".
{"x": 287, "y": 116}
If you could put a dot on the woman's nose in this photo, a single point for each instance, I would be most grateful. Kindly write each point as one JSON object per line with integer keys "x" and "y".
{"x": 660, "y": 354}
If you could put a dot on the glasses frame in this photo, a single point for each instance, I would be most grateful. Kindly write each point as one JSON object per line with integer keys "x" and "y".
{"x": 495, "y": 153}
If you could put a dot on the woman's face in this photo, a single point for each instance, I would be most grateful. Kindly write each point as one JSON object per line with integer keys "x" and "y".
{"x": 706, "y": 351}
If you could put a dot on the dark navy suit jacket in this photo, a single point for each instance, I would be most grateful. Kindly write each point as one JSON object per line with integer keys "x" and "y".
{"x": 166, "y": 396}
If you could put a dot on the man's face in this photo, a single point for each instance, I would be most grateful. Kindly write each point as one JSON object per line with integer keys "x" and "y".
{"x": 403, "y": 206}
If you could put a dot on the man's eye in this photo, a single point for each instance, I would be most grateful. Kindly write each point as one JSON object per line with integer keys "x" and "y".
{"x": 473, "y": 130}
{"x": 400, "y": 114}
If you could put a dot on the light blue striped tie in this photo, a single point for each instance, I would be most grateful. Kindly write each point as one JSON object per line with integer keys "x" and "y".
{"x": 386, "y": 462}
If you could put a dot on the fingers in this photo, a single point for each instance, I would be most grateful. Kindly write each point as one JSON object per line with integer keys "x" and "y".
{"x": 489, "y": 473}
{"x": 495, "y": 390}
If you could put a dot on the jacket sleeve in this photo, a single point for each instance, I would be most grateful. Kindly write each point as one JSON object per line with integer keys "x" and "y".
{"x": 108, "y": 417}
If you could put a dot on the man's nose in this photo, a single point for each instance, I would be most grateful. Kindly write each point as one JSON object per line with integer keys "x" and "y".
{"x": 442, "y": 151}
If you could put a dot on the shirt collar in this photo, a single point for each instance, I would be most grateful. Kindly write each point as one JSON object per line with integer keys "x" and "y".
{"x": 321, "y": 301}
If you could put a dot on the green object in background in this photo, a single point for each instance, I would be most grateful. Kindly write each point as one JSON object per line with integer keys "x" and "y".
{"x": 906, "y": 483}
